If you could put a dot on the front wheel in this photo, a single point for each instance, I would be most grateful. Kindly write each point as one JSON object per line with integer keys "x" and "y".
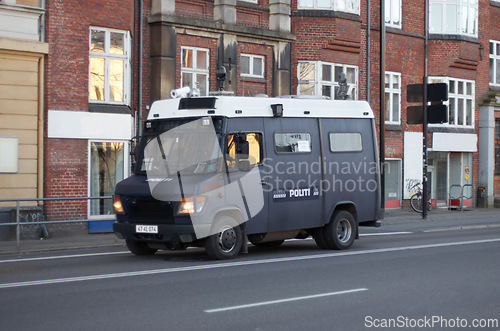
{"x": 226, "y": 241}
{"x": 140, "y": 248}
{"x": 341, "y": 231}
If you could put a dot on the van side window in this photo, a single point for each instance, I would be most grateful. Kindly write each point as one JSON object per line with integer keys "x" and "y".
{"x": 292, "y": 142}
{"x": 346, "y": 142}
{"x": 254, "y": 147}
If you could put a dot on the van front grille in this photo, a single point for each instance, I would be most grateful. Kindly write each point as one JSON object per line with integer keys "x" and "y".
{"x": 150, "y": 211}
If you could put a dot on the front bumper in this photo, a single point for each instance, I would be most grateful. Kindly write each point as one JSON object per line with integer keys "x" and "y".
{"x": 166, "y": 233}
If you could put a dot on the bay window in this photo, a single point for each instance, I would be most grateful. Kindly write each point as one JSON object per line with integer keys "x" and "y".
{"x": 456, "y": 17}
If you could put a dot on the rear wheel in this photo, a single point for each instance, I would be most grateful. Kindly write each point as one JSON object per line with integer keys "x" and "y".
{"x": 140, "y": 248}
{"x": 226, "y": 241}
{"x": 341, "y": 231}
{"x": 320, "y": 239}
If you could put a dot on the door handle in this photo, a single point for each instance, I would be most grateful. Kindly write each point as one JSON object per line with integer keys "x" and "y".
{"x": 264, "y": 182}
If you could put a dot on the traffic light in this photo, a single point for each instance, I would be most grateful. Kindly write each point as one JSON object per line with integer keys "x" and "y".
{"x": 436, "y": 111}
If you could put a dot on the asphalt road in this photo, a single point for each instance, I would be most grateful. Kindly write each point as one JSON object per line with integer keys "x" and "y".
{"x": 410, "y": 280}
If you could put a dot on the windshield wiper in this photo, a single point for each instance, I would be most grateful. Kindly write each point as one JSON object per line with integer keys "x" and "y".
{"x": 163, "y": 155}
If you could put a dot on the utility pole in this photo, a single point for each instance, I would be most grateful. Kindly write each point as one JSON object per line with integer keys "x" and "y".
{"x": 424, "y": 124}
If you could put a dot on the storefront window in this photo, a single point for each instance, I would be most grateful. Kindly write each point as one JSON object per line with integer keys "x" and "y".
{"x": 106, "y": 169}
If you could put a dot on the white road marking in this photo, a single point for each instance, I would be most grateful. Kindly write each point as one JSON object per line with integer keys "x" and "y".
{"x": 272, "y": 302}
{"x": 383, "y": 233}
{"x": 127, "y": 252}
{"x": 244, "y": 263}
{"x": 62, "y": 257}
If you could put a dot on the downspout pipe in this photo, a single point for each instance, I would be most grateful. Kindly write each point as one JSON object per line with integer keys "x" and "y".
{"x": 382, "y": 102}
{"x": 141, "y": 32}
{"x": 368, "y": 51}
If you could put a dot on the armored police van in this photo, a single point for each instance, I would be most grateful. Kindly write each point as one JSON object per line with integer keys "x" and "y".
{"x": 222, "y": 171}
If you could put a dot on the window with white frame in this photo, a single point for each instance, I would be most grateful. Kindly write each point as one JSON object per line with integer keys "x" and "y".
{"x": 108, "y": 164}
{"x": 392, "y": 98}
{"x": 324, "y": 78}
{"x": 252, "y": 66}
{"x": 393, "y": 13}
{"x": 495, "y": 62}
{"x": 349, "y": 6}
{"x": 194, "y": 68}
{"x": 457, "y": 17}
{"x": 109, "y": 66}
{"x": 460, "y": 101}
{"x": 251, "y": 1}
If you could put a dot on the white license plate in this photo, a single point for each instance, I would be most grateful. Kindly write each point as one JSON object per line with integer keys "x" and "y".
{"x": 146, "y": 228}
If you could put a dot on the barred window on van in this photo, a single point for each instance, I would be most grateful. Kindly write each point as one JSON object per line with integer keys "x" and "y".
{"x": 345, "y": 142}
{"x": 292, "y": 142}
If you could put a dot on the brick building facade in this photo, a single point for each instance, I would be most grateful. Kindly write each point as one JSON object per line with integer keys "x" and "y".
{"x": 97, "y": 90}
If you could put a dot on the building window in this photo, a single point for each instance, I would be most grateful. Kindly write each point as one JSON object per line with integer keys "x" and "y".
{"x": 327, "y": 79}
{"x": 392, "y": 98}
{"x": 255, "y": 150}
{"x": 460, "y": 101}
{"x": 349, "y": 6}
{"x": 454, "y": 17}
{"x": 194, "y": 68}
{"x": 108, "y": 166}
{"x": 393, "y": 13}
{"x": 109, "y": 66}
{"x": 252, "y": 66}
{"x": 494, "y": 62}
{"x": 345, "y": 142}
{"x": 251, "y": 1}
{"x": 292, "y": 143}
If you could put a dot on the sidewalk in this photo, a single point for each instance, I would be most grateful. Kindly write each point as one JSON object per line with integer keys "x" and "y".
{"x": 394, "y": 220}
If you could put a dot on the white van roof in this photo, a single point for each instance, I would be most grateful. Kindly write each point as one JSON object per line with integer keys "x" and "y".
{"x": 231, "y": 106}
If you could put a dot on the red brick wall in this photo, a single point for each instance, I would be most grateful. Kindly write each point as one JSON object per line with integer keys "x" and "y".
{"x": 68, "y": 27}
{"x": 202, "y": 9}
{"x": 66, "y": 168}
{"x": 252, "y": 17}
{"x": 66, "y": 88}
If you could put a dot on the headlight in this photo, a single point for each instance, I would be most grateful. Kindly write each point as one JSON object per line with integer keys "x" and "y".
{"x": 117, "y": 205}
{"x": 190, "y": 205}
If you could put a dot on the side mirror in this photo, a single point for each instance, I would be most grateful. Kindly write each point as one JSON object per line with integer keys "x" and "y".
{"x": 242, "y": 146}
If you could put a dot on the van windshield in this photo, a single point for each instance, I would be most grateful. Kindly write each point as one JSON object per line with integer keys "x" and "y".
{"x": 185, "y": 146}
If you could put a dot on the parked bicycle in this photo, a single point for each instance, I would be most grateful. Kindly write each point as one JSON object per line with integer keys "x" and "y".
{"x": 416, "y": 200}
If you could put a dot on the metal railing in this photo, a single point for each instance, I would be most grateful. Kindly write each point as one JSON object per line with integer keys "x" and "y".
{"x": 461, "y": 197}
{"x": 18, "y": 222}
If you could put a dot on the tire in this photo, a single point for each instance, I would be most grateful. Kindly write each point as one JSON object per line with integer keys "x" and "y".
{"x": 226, "y": 242}
{"x": 319, "y": 238}
{"x": 416, "y": 202}
{"x": 140, "y": 248}
{"x": 340, "y": 233}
